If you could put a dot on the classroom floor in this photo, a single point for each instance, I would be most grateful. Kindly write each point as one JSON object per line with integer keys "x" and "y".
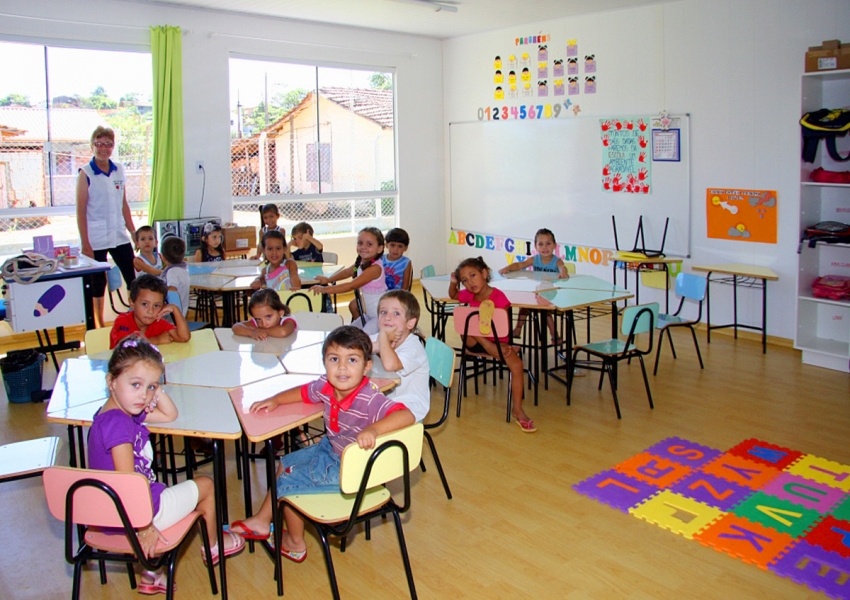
{"x": 515, "y": 528}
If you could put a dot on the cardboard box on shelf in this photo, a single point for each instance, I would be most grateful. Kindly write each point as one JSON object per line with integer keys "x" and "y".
{"x": 832, "y": 55}
{"x": 239, "y": 239}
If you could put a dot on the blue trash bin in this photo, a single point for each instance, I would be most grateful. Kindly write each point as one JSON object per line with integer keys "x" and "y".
{"x": 22, "y": 370}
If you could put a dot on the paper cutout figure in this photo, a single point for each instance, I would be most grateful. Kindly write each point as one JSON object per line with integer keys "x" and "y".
{"x": 590, "y": 85}
{"x": 590, "y": 63}
{"x": 497, "y": 63}
{"x": 499, "y": 94}
{"x": 572, "y": 87}
{"x": 526, "y": 74}
{"x": 572, "y": 66}
{"x": 542, "y": 70}
{"x": 572, "y": 48}
{"x": 542, "y": 88}
{"x": 512, "y": 62}
{"x": 526, "y": 90}
{"x": 558, "y": 68}
{"x": 512, "y": 77}
{"x": 497, "y": 78}
{"x": 523, "y": 59}
{"x": 542, "y": 53}
{"x": 558, "y": 87}
{"x": 512, "y": 92}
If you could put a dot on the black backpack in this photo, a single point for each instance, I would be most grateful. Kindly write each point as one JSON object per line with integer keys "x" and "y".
{"x": 824, "y": 124}
{"x": 831, "y": 232}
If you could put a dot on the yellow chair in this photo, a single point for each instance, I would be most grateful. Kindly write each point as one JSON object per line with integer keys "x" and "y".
{"x": 362, "y": 496}
{"x": 97, "y": 341}
{"x": 298, "y": 300}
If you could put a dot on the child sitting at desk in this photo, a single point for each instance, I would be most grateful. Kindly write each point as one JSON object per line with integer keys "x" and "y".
{"x": 304, "y": 246}
{"x": 474, "y": 275}
{"x": 147, "y": 312}
{"x": 148, "y": 260}
{"x": 176, "y": 272}
{"x": 354, "y": 412}
{"x": 269, "y": 317}
{"x": 397, "y": 267}
{"x": 119, "y": 441}
{"x": 280, "y": 272}
{"x": 544, "y": 261}
{"x": 400, "y": 349}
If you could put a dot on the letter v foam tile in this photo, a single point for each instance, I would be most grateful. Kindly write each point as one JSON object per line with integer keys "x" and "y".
{"x": 677, "y": 513}
{"x": 816, "y": 568}
{"x": 751, "y": 542}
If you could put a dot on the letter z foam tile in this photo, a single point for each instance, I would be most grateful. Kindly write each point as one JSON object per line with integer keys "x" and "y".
{"x": 712, "y": 490}
{"x": 677, "y": 513}
{"x": 616, "y": 490}
{"x": 816, "y": 568}
{"x": 751, "y": 542}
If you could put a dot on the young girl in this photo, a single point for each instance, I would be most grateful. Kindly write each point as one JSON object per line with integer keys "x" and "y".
{"x": 544, "y": 261}
{"x": 148, "y": 259}
{"x": 269, "y": 317}
{"x": 269, "y": 214}
{"x": 119, "y": 441}
{"x": 280, "y": 273}
{"x": 304, "y": 246}
{"x": 367, "y": 275}
{"x": 211, "y": 249}
{"x": 474, "y": 274}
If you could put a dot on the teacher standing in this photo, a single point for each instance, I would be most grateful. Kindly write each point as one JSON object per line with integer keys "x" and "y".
{"x": 103, "y": 215}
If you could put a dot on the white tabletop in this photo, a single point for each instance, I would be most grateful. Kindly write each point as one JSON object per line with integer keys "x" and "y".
{"x": 79, "y": 382}
{"x": 201, "y": 412}
{"x": 238, "y": 284}
{"x": 223, "y": 369}
{"x": 252, "y": 271}
{"x": 208, "y": 281}
{"x": 27, "y": 457}
{"x": 378, "y": 371}
{"x": 304, "y": 361}
{"x": 227, "y": 340}
{"x": 522, "y": 284}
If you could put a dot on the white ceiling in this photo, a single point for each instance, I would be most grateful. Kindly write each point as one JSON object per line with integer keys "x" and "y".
{"x": 416, "y": 16}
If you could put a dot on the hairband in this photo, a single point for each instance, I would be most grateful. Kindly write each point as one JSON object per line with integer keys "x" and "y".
{"x": 209, "y": 228}
{"x": 133, "y": 343}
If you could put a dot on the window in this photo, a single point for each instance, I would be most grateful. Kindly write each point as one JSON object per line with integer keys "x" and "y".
{"x": 45, "y": 140}
{"x": 317, "y": 141}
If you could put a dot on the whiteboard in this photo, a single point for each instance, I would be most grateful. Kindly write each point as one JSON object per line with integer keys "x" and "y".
{"x": 510, "y": 178}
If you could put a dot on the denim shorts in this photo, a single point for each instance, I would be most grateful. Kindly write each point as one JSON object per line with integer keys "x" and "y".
{"x": 311, "y": 470}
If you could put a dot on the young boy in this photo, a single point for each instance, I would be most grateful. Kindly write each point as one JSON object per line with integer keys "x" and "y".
{"x": 403, "y": 353}
{"x": 355, "y": 411}
{"x": 147, "y": 309}
{"x": 148, "y": 260}
{"x": 176, "y": 272}
{"x": 304, "y": 246}
{"x": 398, "y": 269}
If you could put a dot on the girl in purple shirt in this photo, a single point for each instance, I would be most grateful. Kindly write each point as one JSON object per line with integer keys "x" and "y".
{"x": 119, "y": 441}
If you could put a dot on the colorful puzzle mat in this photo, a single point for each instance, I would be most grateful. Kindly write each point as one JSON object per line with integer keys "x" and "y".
{"x": 770, "y": 506}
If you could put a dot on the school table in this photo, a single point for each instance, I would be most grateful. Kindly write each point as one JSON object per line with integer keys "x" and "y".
{"x": 735, "y": 274}
{"x": 203, "y": 341}
{"x": 223, "y": 369}
{"x": 29, "y": 458}
{"x": 659, "y": 264}
{"x": 264, "y": 427}
{"x": 202, "y": 412}
{"x": 227, "y": 340}
{"x": 206, "y": 285}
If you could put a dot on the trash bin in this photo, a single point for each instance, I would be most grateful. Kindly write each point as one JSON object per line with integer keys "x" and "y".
{"x": 21, "y": 371}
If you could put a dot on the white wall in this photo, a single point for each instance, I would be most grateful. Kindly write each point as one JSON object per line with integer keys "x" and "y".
{"x": 734, "y": 65}
{"x": 209, "y": 39}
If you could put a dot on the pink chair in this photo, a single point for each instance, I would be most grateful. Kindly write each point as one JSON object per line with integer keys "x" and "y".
{"x": 467, "y": 323}
{"x": 94, "y": 500}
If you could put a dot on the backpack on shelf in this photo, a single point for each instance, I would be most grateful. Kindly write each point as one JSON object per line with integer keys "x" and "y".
{"x": 831, "y": 232}
{"x": 833, "y": 287}
{"x": 824, "y": 124}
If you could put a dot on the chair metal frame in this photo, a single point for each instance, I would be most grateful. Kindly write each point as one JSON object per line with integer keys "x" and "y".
{"x": 95, "y": 512}
{"x": 667, "y": 322}
{"x": 439, "y": 355}
{"x": 113, "y": 283}
{"x": 468, "y": 315}
{"x": 632, "y": 325}
{"x": 366, "y": 496}
{"x": 439, "y": 311}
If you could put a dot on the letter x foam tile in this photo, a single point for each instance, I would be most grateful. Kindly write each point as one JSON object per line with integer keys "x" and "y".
{"x": 767, "y": 505}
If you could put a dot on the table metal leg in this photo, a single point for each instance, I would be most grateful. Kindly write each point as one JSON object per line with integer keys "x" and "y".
{"x": 764, "y": 316}
{"x": 708, "y": 306}
{"x": 82, "y": 446}
{"x": 735, "y": 304}
{"x": 72, "y": 447}
{"x": 220, "y": 508}
{"x": 246, "y": 484}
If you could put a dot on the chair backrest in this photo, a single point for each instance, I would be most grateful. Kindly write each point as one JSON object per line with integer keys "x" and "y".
{"x": 172, "y": 297}
{"x": 571, "y": 268}
{"x": 639, "y": 318}
{"x": 301, "y": 300}
{"x": 92, "y": 505}
{"x": 691, "y": 286}
{"x": 330, "y": 257}
{"x": 97, "y": 340}
{"x": 427, "y": 271}
{"x": 388, "y": 466}
{"x": 113, "y": 279}
{"x": 467, "y": 322}
{"x": 317, "y": 321}
{"x": 441, "y": 361}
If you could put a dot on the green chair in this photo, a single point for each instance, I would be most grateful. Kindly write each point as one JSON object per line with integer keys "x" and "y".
{"x": 636, "y": 319}
{"x": 441, "y": 362}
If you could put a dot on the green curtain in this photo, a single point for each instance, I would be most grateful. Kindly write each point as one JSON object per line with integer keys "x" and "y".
{"x": 167, "y": 185}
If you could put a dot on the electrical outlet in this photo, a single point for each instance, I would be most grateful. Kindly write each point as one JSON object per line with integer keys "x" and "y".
{"x": 199, "y": 167}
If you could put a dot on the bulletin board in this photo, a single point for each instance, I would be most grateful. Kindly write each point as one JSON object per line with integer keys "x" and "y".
{"x": 513, "y": 177}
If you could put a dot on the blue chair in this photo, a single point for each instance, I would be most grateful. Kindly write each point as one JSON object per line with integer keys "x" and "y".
{"x": 441, "y": 362}
{"x": 636, "y": 319}
{"x": 113, "y": 282}
{"x": 688, "y": 287}
{"x": 174, "y": 298}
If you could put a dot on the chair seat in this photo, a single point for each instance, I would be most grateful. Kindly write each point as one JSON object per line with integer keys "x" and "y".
{"x": 197, "y": 325}
{"x": 118, "y": 542}
{"x": 333, "y": 508}
{"x": 606, "y": 348}
{"x": 668, "y": 320}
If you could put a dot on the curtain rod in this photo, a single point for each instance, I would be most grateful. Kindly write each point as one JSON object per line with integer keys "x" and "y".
{"x": 84, "y": 23}
{"x": 315, "y": 44}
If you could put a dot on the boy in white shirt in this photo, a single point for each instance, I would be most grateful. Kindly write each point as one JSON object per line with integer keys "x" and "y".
{"x": 403, "y": 353}
{"x": 176, "y": 272}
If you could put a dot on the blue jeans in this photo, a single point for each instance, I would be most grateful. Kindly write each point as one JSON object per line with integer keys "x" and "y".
{"x": 311, "y": 470}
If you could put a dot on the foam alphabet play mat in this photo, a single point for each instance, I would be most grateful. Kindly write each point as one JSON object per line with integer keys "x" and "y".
{"x": 770, "y": 506}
